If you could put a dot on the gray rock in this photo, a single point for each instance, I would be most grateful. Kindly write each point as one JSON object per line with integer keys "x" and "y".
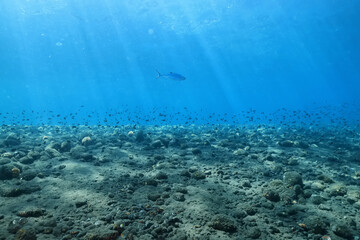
{"x": 343, "y": 231}
{"x": 80, "y": 203}
{"x": 159, "y": 157}
{"x": 52, "y": 152}
{"x": 31, "y": 213}
{"x": 6, "y": 172}
{"x": 181, "y": 190}
{"x": 223, "y": 223}
{"x": 185, "y": 173}
{"x": 153, "y": 196}
{"x": 325, "y": 179}
{"x": 254, "y": 233}
{"x": 196, "y": 151}
{"x": 317, "y": 225}
{"x": 33, "y": 155}
{"x": 26, "y": 160}
{"x": 12, "y": 140}
{"x": 140, "y": 136}
{"x": 65, "y": 146}
{"x": 15, "y": 192}
{"x": 337, "y": 190}
{"x": 246, "y": 184}
{"x": 87, "y": 157}
{"x": 54, "y": 145}
{"x": 48, "y": 223}
{"x": 250, "y": 210}
{"x": 29, "y": 175}
{"x": 103, "y": 234}
{"x": 156, "y": 144}
{"x": 198, "y": 175}
{"x": 301, "y": 144}
{"x": 293, "y": 178}
{"x": 77, "y": 151}
{"x": 308, "y": 193}
{"x": 179, "y": 197}
{"x": 316, "y": 199}
{"x": 161, "y": 176}
{"x": 324, "y": 207}
{"x": 26, "y": 234}
{"x": 15, "y": 225}
{"x": 4, "y": 161}
{"x": 151, "y": 182}
{"x": 286, "y": 143}
{"x": 272, "y": 195}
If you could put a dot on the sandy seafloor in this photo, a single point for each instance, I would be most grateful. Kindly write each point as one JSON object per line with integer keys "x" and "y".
{"x": 177, "y": 182}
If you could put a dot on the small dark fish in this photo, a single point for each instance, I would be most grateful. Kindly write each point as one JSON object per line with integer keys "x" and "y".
{"x": 172, "y": 76}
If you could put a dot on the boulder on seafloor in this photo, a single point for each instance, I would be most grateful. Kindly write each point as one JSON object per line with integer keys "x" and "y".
{"x": 65, "y": 146}
{"x": 26, "y": 234}
{"x": 4, "y": 161}
{"x": 293, "y": 178}
{"x": 33, "y": 155}
{"x": 26, "y": 160}
{"x": 77, "y": 151}
{"x": 15, "y": 192}
{"x": 301, "y": 144}
{"x": 156, "y": 144}
{"x": 254, "y": 233}
{"x": 29, "y": 175}
{"x": 31, "y": 213}
{"x": 140, "y": 136}
{"x": 286, "y": 143}
{"x": 198, "y": 175}
{"x": 179, "y": 197}
{"x": 223, "y": 223}
{"x": 6, "y": 172}
{"x": 272, "y": 195}
{"x": 87, "y": 141}
{"x": 317, "y": 225}
{"x": 52, "y": 152}
{"x": 196, "y": 151}
{"x": 80, "y": 203}
{"x": 12, "y": 140}
{"x": 343, "y": 231}
{"x": 337, "y": 189}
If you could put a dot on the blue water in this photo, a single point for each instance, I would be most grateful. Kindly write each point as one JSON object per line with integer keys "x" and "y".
{"x": 237, "y": 55}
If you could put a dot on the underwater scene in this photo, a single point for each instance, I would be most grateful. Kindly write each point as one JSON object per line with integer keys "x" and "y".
{"x": 180, "y": 120}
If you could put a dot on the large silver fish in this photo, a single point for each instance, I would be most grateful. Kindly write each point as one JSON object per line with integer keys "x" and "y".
{"x": 172, "y": 76}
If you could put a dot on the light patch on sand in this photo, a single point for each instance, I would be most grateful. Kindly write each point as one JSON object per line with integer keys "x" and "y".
{"x": 91, "y": 172}
{"x": 79, "y": 194}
